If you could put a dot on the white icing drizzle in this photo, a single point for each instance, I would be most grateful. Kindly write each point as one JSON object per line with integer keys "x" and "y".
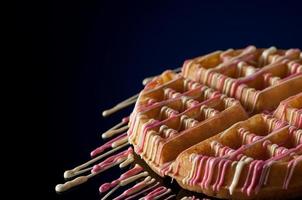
{"x": 140, "y": 142}
{"x": 166, "y": 132}
{"x": 150, "y": 134}
{"x": 294, "y": 67}
{"x": 170, "y": 93}
{"x": 190, "y": 84}
{"x": 189, "y": 198}
{"x": 208, "y": 112}
{"x": 187, "y": 122}
{"x": 228, "y": 84}
{"x": 137, "y": 121}
{"x": 128, "y": 161}
{"x": 249, "y": 93}
{"x": 155, "y": 148}
{"x": 244, "y": 69}
{"x": 239, "y": 166}
{"x": 207, "y": 92}
{"x": 265, "y": 54}
{"x": 119, "y": 142}
{"x": 77, "y": 170}
{"x": 250, "y": 70}
{"x": 186, "y": 66}
{"x": 136, "y": 188}
{"x": 194, "y": 160}
{"x": 240, "y": 66}
{"x": 166, "y": 112}
{"x": 191, "y": 103}
{"x": 226, "y": 53}
{"x": 133, "y": 178}
{"x": 273, "y": 149}
{"x": 291, "y": 115}
{"x": 219, "y": 149}
{"x": 82, "y": 179}
{"x": 228, "y": 102}
{"x": 120, "y": 105}
{"x": 290, "y": 170}
{"x": 273, "y": 123}
{"x": 298, "y": 137}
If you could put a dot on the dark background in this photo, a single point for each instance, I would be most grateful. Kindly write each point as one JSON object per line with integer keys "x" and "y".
{"x": 98, "y": 53}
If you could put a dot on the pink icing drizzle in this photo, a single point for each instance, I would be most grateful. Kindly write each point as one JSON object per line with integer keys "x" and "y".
{"x": 106, "y": 186}
{"x": 290, "y": 170}
{"x": 111, "y": 160}
{"x": 132, "y": 190}
{"x": 155, "y": 193}
{"x": 257, "y": 170}
{"x": 142, "y": 192}
{"x": 107, "y": 145}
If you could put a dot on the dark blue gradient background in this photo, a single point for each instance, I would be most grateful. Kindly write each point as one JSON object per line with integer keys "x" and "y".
{"x": 99, "y": 52}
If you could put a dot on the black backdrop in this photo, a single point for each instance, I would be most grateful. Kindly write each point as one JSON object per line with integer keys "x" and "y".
{"x": 99, "y": 52}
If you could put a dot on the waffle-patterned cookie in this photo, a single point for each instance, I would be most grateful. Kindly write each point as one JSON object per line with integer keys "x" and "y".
{"x": 194, "y": 126}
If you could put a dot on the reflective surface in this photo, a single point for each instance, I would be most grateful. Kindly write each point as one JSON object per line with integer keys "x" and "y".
{"x": 99, "y": 52}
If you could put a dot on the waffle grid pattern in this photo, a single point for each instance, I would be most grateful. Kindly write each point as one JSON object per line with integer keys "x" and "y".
{"x": 247, "y": 74}
{"x": 247, "y": 153}
{"x": 175, "y": 107}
